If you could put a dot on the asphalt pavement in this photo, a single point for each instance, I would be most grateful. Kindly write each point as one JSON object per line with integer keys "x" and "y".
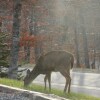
{"x": 85, "y": 83}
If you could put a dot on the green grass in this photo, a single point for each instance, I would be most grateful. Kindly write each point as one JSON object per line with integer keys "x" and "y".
{"x": 38, "y": 88}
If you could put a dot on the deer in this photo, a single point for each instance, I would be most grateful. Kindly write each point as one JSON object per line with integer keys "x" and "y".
{"x": 54, "y": 61}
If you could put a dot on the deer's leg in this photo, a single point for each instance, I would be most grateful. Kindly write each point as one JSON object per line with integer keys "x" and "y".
{"x": 45, "y": 79}
{"x": 49, "y": 80}
{"x": 68, "y": 80}
{"x": 69, "y": 83}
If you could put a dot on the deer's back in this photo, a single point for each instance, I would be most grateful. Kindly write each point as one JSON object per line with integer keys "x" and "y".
{"x": 55, "y": 60}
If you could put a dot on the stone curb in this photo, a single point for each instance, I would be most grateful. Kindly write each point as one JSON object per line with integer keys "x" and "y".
{"x": 31, "y": 94}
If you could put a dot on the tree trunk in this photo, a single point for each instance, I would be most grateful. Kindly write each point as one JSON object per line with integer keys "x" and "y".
{"x": 86, "y": 50}
{"x": 38, "y": 46}
{"x": 94, "y": 53}
{"x": 0, "y": 32}
{"x": 27, "y": 58}
{"x": 0, "y": 25}
{"x": 85, "y": 44}
{"x": 77, "y": 50}
{"x": 15, "y": 38}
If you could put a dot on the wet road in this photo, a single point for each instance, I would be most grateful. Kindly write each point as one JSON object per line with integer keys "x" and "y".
{"x": 87, "y": 83}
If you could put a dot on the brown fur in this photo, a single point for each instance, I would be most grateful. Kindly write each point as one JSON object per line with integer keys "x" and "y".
{"x": 57, "y": 61}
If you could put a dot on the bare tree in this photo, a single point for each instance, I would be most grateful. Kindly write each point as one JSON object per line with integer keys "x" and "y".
{"x": 27, "y": 57}
{"x": 15, "y": 38}
{"x": 85, "y": 44}
{"x": 77, "y": 49}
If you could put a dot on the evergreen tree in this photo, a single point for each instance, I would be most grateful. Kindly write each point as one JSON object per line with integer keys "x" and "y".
{"x": 4, "y": 51}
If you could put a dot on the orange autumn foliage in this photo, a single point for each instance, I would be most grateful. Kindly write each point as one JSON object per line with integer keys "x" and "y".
{"x": 31, "y": 40}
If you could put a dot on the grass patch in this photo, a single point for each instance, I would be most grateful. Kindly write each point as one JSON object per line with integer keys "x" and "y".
{"x": 39, "y": 88}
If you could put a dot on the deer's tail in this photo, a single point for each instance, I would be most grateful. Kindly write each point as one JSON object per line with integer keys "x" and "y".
{"x": 72, "y": 61}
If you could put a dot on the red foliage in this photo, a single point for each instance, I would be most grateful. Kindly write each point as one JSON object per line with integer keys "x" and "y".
{"x": 31, "y": 40}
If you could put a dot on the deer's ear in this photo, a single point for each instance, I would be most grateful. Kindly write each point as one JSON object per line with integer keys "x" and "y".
{"x": 28, "y": 72}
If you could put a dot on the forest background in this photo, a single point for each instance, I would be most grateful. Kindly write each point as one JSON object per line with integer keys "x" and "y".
{"x": 34, "y": 27}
